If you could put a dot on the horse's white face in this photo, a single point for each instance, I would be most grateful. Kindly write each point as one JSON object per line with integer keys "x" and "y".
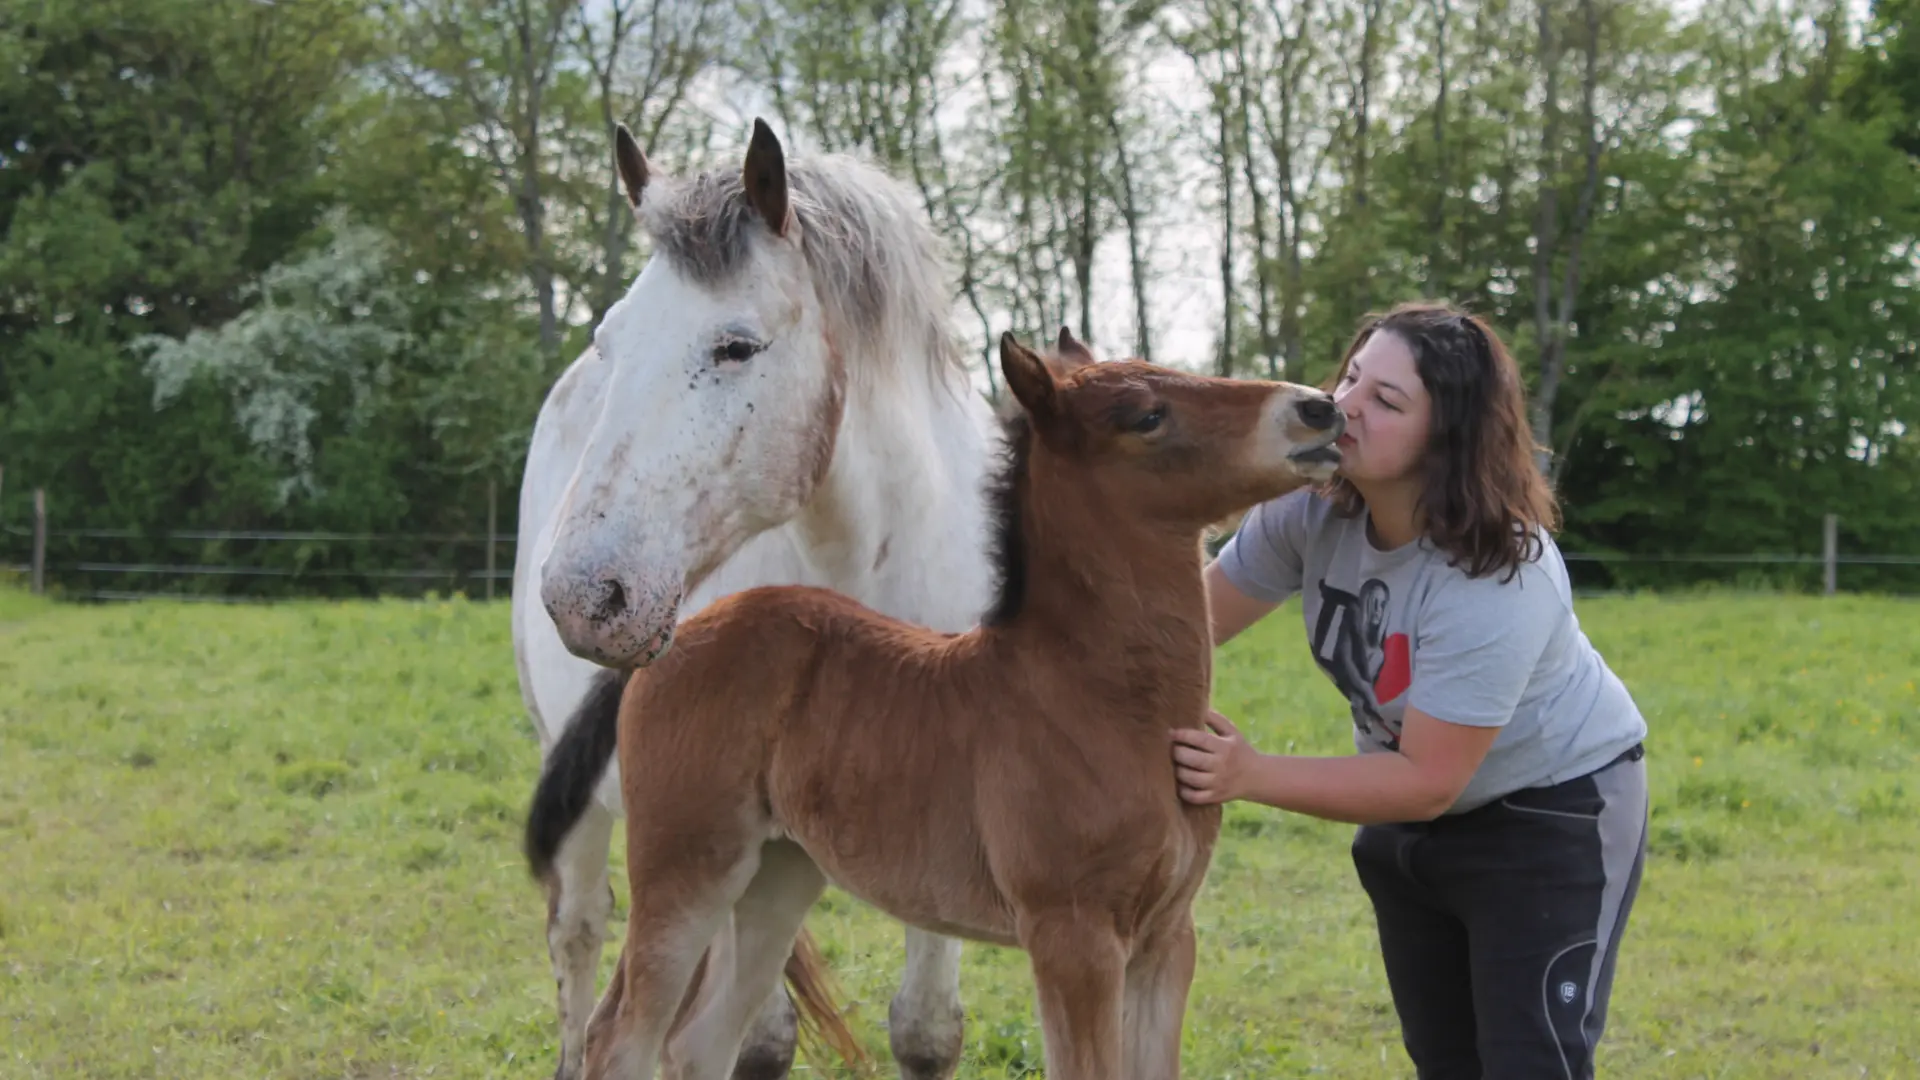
{"x": 718, "y": 422}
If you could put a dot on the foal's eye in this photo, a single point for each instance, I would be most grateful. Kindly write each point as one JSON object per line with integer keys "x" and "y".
{"x": 1149, "y": 422}
{"x": 736, "y": 349}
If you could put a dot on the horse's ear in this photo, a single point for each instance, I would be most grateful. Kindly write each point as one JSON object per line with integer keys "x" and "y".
{"x": 1027, "y": 376}
{"x": 1070, "y": 352}
{"x": 765, "y": 176}
{"x": 631, "y": 163}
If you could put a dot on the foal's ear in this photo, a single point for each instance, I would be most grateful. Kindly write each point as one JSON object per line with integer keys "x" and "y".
{"x": 1027, "y": 376}
{"x": 1070, "y": 353}
{"x": 632, "y": 164}
{"x": 765, "y": 177}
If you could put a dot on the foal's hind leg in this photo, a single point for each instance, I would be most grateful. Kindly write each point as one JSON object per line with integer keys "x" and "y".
{"x": 1158, "y": 980}
{"x": 765, "y": 920}
{"x": 768, "y": 1050}
{"x": 1079, "y": 977}
{"x": 579, "y": 902}
{"x": 679, "y": 904}
{"x": 924, "y": 1020}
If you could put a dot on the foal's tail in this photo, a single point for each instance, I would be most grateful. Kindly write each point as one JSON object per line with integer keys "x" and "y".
{"x": 813, "y": 999}
{"x": 574, "y": 768}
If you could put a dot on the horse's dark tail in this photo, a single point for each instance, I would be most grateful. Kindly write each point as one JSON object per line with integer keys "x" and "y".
{"x": 573, "y": 770}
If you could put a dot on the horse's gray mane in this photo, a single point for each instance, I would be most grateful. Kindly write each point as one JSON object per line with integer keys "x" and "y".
{"x": 880, "y": 266}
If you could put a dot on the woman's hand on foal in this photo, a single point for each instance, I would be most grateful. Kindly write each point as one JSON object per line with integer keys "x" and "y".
{"x": 1212, "y": 766}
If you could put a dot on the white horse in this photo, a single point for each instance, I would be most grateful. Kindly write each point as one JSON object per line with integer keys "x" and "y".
{"x": 778, "y": 398}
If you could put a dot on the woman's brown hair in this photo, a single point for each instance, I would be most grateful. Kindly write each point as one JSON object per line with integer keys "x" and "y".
{"x": 1483, "y": 498}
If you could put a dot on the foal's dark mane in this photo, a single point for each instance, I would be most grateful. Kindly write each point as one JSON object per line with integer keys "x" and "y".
{"x": 1005, "y": 494}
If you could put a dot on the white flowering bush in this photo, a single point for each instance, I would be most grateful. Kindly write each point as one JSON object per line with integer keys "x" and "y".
{"x": 324, "y": 327}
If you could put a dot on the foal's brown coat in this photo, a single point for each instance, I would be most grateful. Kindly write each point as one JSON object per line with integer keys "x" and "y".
{"x": 1013, "y": 784}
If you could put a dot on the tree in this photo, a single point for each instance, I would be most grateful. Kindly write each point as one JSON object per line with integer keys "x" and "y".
{"x": 1788, "y": 385}
{"x": 490, "y": 66}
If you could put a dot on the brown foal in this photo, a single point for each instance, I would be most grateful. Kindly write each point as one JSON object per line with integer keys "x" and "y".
{"x": 1012, "y": 784}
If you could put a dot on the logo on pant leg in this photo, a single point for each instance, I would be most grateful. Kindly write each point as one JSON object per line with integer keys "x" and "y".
{"x": 1568, "y": 992}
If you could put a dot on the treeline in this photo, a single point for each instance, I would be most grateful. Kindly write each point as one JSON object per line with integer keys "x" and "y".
{"x": 311, "y": 265}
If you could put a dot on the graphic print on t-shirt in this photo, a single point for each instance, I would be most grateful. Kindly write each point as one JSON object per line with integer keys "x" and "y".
{"x": 1368, "y": 664}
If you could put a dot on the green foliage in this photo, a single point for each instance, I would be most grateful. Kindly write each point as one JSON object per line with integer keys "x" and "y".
{"x": 282, "y": 842}
{"x": 1784, "y": 388}
{"x": 202, "y": 331}
{"x": 313, "y": 266}
{"x": 1887, "y": 71}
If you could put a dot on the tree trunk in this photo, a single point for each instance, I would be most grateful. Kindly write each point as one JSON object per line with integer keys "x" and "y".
{"x": 1083, "y": 242}
{"x": 1550, "y": 377}
{"x": 1362, "y": 149}
{"x": 533, "y": 217}
{"x": 1437, "y": 213}
{"x": 1545, "y": 238}
{"x": 1225, "y": 113}
{"x": 1262, "y": 263}
{"x": 945, "y": 206}
{"x": 1283, "y": 145}
{"x": 613, "y": 237}
{"x": 1136, "y": 258}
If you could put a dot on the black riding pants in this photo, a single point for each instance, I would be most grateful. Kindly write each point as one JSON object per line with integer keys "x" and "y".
{"x": 1499, "y": 927}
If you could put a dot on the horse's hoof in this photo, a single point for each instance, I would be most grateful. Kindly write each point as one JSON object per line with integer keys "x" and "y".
{"x": 757, "y": 1063}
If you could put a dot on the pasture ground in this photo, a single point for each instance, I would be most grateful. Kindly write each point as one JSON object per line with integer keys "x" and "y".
{"x": 283, "y": 842}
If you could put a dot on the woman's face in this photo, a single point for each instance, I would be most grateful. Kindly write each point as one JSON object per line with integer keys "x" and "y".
{"x": 1387, "y": 411}
{"x": 1376, "y": 610}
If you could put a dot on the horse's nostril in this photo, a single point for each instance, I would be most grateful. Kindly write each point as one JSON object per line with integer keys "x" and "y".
{"x": 1318, "y": 413}
{"x": 613, "y": 601}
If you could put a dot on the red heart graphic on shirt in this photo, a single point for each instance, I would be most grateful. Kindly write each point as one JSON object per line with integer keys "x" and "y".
{"x": 1396, "y": 670}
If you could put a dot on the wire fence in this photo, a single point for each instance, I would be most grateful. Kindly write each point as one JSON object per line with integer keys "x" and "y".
{"x": 256, "y": 565}
{"x": 101, "y": 579}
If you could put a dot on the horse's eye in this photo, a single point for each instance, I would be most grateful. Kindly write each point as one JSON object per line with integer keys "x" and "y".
{"x": 736, "y": 349}
{"x": 1149, "y": 422}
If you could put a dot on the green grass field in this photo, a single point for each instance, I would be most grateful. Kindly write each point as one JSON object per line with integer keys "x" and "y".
{"x": 283, "y": 842}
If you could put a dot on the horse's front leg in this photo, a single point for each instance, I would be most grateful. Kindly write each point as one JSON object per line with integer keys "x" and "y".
{"x": 1079, "y": 979}
{"x": 768, "y": 1047}
{"x": 1158, "y": 980}
{"x": 579, "y": 902}
{"x": 924, "y": 1021}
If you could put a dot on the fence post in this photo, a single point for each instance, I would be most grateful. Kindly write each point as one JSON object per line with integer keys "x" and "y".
{"x": 492, "y": 508}
{"x": 39, "y": 540}
{"x": 1830, "y": 550}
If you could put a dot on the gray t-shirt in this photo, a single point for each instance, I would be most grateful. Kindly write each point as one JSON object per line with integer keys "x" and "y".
{"x": 1400, "y": 627}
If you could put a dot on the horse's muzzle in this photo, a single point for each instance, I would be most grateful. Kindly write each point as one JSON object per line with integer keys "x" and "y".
{"x": 610, "y": 621}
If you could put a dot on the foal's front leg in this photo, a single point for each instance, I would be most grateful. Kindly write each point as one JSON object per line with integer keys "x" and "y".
{"x": 1079, "y": 978}
{"x": 1158, "y": 980}
{"x": 766, "y": 919}
{"x": 679, "y": 904}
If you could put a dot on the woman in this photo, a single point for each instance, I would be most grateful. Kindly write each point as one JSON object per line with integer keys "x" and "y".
{"x": 1499, "y": 786}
